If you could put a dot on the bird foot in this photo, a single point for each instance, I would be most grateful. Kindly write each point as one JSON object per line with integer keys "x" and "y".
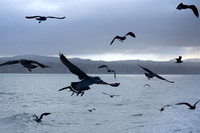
{"x": 74, "y": 91}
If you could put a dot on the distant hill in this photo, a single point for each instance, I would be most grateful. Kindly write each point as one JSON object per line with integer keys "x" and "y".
{"x": 190, "y": 66}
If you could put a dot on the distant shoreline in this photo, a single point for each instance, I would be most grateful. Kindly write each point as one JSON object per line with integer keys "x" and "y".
{"x": 129, "y": 67}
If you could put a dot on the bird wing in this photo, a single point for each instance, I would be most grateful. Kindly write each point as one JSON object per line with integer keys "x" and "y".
{"x": 114, "y": 73}
{"x": 149, "y": 71}
{"x": 196, "y": 103}
{"x": 172, "y": 106}
{"x": 167, "y": 106}
{"x": 185, "y": 104}
{"x": 195, "y": 10}
{"x": 72, "y": 68}
{"x": 44, "y": 114}
{"x": 30, "y": 17}
{"x": 36, "y": 116}
{"x": 176, "y": 59}
{"x": 131, "y": 34}
{"x": 41, "y": 65}
{"x": 102, "y": 66}
{"x": 115, "y": 95}
{"x": 105, "y": 93}
{"x": 10, "y": 62}
{"x": 55, "y": 17}
{"x": 163, "y": 78}
{"x": 117, "y": 37}
{"x": 147, "y": 85}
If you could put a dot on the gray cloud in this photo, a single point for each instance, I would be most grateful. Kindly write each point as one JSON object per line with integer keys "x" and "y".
{"x": 90, "y": 26}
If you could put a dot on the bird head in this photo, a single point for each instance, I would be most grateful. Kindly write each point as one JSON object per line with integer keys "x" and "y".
{"x": 179, "y": 7}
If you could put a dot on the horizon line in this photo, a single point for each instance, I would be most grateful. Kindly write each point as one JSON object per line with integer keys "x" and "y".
{"x": 87, "y": 58}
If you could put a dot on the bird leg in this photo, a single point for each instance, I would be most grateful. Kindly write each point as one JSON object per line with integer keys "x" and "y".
{"x": 29, "y": 69}
{"x": 121, "y": 40}
{"x": 73, "y": 91}
{"x": 80, "y": 93}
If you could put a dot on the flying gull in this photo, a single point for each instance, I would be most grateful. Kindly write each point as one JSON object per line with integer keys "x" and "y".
{"x": 26, "y": 63}
{"x": 147, "y": 85}
{"x": 43, "y": 18}
{"x": 41, "y": 116}
{"x": 122, "y": 38}
{"x": 151, "y": 74}
{"x": 86, "y": 81}
{"x": 110, "y": 94}
{"x": 90, "y": 110}
{"x": 192, "y": 7}
{"x": 178, "y": 60}
{"x": 108, "y": 70}
{"x": 191, "y": 107}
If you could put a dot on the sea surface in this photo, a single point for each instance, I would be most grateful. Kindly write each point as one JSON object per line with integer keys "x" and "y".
{"x": 136, "y": 110}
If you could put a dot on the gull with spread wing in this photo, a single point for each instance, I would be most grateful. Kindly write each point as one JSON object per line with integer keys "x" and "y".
{"x": 26, "y": 63}
{"x": 192, "y": 7}
{"x": 147, "y": 85}
{"x": 43, "y": 18}
{"x": 90, "y": 110}
{"x": 151, "y": 74}
{"x": 178, "y": 60}
{"x": 86, "y": 81}
{"x": 191, "y": 107}
{"x": 122, "y": 38}
{"x": 108, "y": 69}
{"x": 39, "y": 119}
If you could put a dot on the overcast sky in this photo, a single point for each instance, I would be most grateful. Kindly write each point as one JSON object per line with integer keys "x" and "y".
{"x": 162, "y": 32}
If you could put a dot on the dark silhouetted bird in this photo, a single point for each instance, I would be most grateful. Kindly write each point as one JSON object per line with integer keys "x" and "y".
{"x": 109, "y": 94}
{"x": 178, "y": 60}
{"x": 86, "y": 81}
{"x": 90, "y": 110}
{"x": 122, "y": 38}
{"x": 41, "y": 116}
{"x": 147, "y": 85}
{"x": 108, "y": 70}
{"x": 26, "y": 63}
{"x": 43, "y": 18}
{"x": 151, "y": 74}
{"x": 192, "y": 7}
{"x": 191, "y": 107}
{"x": 163, "y": 108}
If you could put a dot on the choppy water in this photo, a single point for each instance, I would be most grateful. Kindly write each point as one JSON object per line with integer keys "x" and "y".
{"x": 136, "y": 110}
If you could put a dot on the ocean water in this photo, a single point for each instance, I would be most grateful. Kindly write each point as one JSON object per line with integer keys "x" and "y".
{"x": 136, "y": 110}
